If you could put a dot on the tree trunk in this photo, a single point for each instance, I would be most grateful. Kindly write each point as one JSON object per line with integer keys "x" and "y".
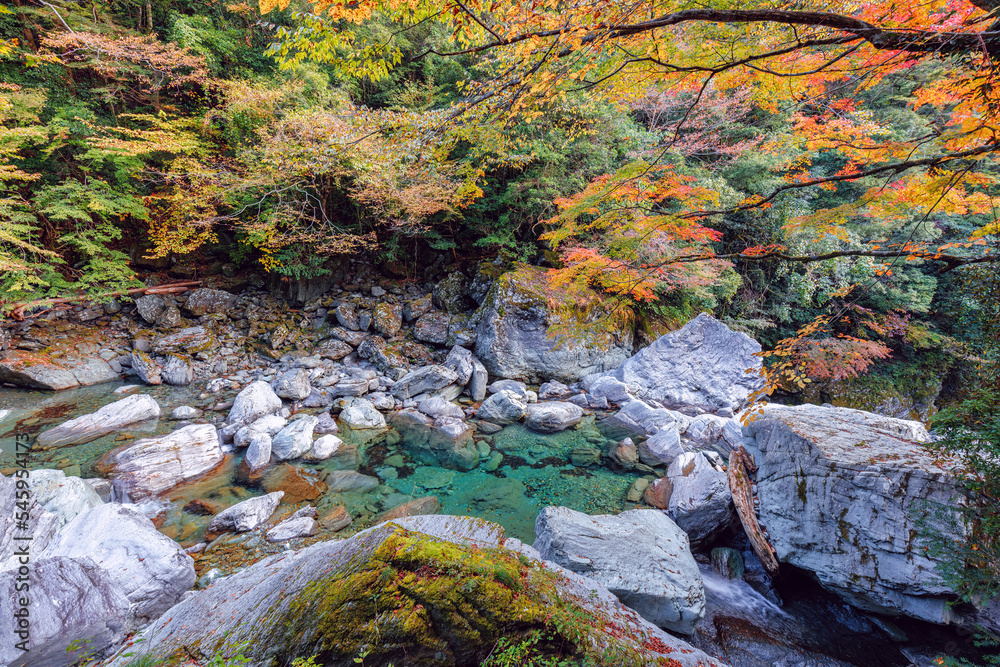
{"x": 741, "y": 466}
{"x": 149, "y": 15}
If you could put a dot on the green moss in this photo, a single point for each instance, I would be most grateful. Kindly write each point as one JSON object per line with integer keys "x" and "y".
{"x": 420, "y": 600}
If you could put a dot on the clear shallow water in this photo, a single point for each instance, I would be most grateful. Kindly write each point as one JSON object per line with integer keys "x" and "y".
{"x": 535, "y": 469}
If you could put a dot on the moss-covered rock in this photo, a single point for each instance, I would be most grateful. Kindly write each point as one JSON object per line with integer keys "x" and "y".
{"x": 431, "y": 590}
{"x": 533, "y": 330}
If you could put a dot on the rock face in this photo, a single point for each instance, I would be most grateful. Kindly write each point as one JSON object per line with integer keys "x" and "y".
{"x": 151, "y": 466}
{"x": 72, "y": 600}
{"x": 513, "y": 338}
{"x": 108, "y": 419}
{"x": 701, "y": 367}
{"x": 37, "y": 371}
{"x": 838, "y": 492}
{"x": 149, "y": 568}
{"x": 640, "y": 555}
{"x": 553, "y": 416}
{"x": 323, "y": 600}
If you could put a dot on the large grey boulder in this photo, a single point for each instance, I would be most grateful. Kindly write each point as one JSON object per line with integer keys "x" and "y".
{"x": 150, "y": 466}
{"x": 639, "y": 555}
{"x": 204, "y": 300}
{"x": 460, "y": 360}
{"x": 75, "y": 609}
{"x": 361, "y": 414}
{"x": 255, "y": 401}
{"x": 503, "y": 407}
{"x": 513, "y": 338}
{"x": 66, "y": 497}
{"x": 258, "y": 452}
{"x": 436, "y": 407}
{"x": 701, "y": 503}
{"x": 150, "y": 306}
{"x": 146, "y": 368}
{"x": 34, "y": 371}
{"x": 148, "y": 567}
{"x": 552, "y": 416}
{"x": 841, "y": 492}
{"x": 701, "y": 367}
{"x": 281, "y": 607}
{"x": 246, "y": 515}
{"x": 112, "y": 417}
{"x": 662, "y": 447}
{"x": 423, "y": 380}
{"x": 293, "y": 384}
{"x": 294, "y": 440}
{"x": 478, "y": 381}
{"x": 177, "y": 370}
{"x": 639, "y": 416}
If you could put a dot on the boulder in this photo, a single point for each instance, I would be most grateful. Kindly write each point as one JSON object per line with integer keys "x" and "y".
{"x": 294, "y": 440}
{"x": 148, "y": 567}
{"x": 625, "y": 454}
{"x": 449, "y": 294}
{"x": 177, "y": 370}
{"x": 35, "y": 370}
{"x": 149, "y": 467}
{"x": 255, "y": 401}
{"x": 297, "y": 484}
{"x": 269, "y": 425}
{"x": 513, "y": 338}
{"x": 258, "y": 452}
{"x": 639, "y": 555}
{"x": 432, "y": 327}
{"x": 700, "y": 500}
{"x": 552, "y": 416}
{"x": 204, "y": 300}
{"x": 246, "y": 515}
{"x": 662, "y": 447}
{"x": 361, "y": 414}
{"x": 293, "y": 384}
{"x": 147, "y": 369}
{"x": 414, "y": 309}
{"x": 459, "y": 359}
{"x": 839, "y": 494}
{"x": 436, "y": 407}
{"x": 503, "y": 407}
{"x": 323, "y": 448}
{"x": 612, "y": 389}
{"x": 387, "y": 318}
{"x": 112, "y": 417}
{"x": 722, "y": 433}
{"x": 65, "y": 497}
{"x": 169, "y": 317}
{"x": 350, "y": 481}
{"x": 701, "y": 367}
{"x": 346, "y": 317}
{"x": 350, "y": 387}
{"x": 638, "y": 416}
{"x": 515, "y": 386}
{"x": 333, "y": 349}
{"x": 293, "y": 528}
{"x": 449, "y": 577}
{"x": 422, "y": 380}
{"x": 478, "y": 382}
{"x": 552, "y": 390}
{"x": 186, "y": 341}
{"x": 150, "y": 306}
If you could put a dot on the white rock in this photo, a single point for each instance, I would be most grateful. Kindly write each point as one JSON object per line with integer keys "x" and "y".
{"x": 294, "y": 440}
{"x": 323, "y": 448}
{"x": 258, "y": 452}
{"x": 361, "y": 414}
{"x": 246, "y": 515}
{"x": 269, "y": 426}
{"x": 290, "y": 529}
{"x": 110, "y": 418}
{"x": 66, "y": 497}
{"x": 254, "y": 402}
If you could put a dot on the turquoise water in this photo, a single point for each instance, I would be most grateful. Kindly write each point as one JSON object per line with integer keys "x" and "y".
{"x": 529, "y": 470}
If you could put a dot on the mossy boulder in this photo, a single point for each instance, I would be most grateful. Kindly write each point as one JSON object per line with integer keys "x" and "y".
{"x": 428, "y": 590}
{"x": 532, "y": 329}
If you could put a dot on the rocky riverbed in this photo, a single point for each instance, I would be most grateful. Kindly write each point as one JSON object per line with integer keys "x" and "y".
{"x": 221, "y": 439}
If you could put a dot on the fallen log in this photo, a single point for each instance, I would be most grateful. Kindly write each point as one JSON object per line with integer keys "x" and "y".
{"x": 17, "y": 313}
{"x": 741, "y": 466}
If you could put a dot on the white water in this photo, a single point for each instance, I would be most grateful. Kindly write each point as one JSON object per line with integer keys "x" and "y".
{"x": 735, "y": 597}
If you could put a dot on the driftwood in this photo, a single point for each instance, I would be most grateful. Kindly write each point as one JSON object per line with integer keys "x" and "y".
{"x": 17, "y": 313}
{"x": 741, "y": 466}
